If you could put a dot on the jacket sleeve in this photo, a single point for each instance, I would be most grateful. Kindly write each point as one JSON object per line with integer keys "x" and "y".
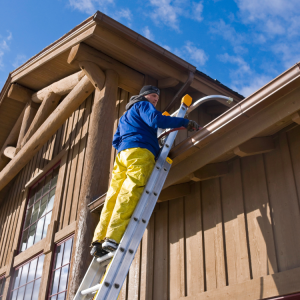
{"x": 155, "y": 119}
{"x": 117, "y": 139}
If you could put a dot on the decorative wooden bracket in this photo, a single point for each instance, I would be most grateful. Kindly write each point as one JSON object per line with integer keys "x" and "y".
{"x": 9, "y": 152}
{"x": 175, "y": 191}
{"x": 129, "y": 79}
{"x": 255, "y": 146}
{"x": 210, "y": 171}
{"x": 167, "y": 82}
{"x": 94, "y": 74}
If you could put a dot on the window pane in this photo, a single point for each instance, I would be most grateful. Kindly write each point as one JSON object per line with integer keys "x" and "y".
{"x": 39, "y": 229}
{"x": 36, "y": 288}
{"x": 32, "y": 194}
{"x": 24, "y": 240}
{"x": 21, "y": 293}
{"x": 51, "y": 200}
{"x": 67, "y": 251}
{"x": 47, "y": 222}
{"x": 24, "y": 274}
{"x": 32, "y": 270}
{"x": 55, "y": 282}
{"x": 14, "y": 295}
{"x": 17, "y": 278}
{"x": 63, "y": 278}
{"x": 31, "y": 235}
{"x": 61, "y": 296}
{"x": 43, "y": 205}
{"x": 28, "y": 217}
{"x": 39, "y": 190}
{"x": 47, "y": 183}
{"x": 54, "y": 179}
{"x": 53, "y": 298}
{"x": 59, "y": 252}
{"x": 40, "y": 266}
{"x": 35, "y": 212}
{"x": 28, "y": 290}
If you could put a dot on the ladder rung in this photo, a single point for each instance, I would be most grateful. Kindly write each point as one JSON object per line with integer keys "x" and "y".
{"x": 91, "y": 289}
{"x": 106, "y": 257}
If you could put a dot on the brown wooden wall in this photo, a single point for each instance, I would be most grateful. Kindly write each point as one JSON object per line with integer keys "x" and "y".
{"x": 229, "y": 230}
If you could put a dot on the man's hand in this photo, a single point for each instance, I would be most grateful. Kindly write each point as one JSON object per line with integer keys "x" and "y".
{"x": 192, "y": 126}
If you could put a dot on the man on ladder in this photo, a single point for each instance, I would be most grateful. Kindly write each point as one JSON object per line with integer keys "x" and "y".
{"x": 136, "y": 143}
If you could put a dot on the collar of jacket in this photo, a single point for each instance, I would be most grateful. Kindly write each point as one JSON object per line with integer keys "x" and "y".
{"x": 135, "y": 99}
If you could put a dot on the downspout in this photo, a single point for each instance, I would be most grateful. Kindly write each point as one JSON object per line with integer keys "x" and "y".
{"x": 181, "y": 91}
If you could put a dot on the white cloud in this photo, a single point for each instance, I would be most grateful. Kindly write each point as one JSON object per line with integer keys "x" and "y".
{"x": 167, "y": 47}
{"x": 229, "y": 34}
{"x": 196, "y": 54}
{"x": 289, "y": 55}
{"x": 252, "y": 84}
{"x": 275, "y": 17}
{"x": 124, "y": 13}
{"x": 147, "y": 33}
{"x": 197, "y": 11}
{"x": 243, "y": 66}
{"x": 168, "y": 11}
{"x": 4, "y": 47}
{"x": 19, "y": 60}
{"x": 86, "y": 6}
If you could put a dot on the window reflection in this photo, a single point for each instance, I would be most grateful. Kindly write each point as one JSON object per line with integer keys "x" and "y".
{"x": 39, "y": 210}
{"x": 2, "y": 284}
{"x": 26, "y": 280}
{"x": 60, "y": 272}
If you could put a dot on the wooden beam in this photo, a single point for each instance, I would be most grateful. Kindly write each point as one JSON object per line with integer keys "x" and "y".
{"x": 210, "y": 171}
{"x": 97, "y": 157}
{"x": 223, "y": 140}
{"x": 80, "y": 92}
{"x": 278, "y": 284}
{"x": 61, "y": 87}
{"x": 11, "y": 140}
{"x": 65, "y": 232}
{"x": 129, "y": 79}
{"x": 167, "y": 82}
{"x": 30, "y": 112}
{"x": 9, "y": 152}
{"x": 175, "y": 191}
{"x": 94, "y": 73}
{"x": 19, "y": 93}
{"x": 46, "y": 108}
{"x": 255, "y": 146}
{"x": 296, "y": 117}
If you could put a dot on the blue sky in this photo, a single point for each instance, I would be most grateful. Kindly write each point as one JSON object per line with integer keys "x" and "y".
{"x": 242, "y": 43}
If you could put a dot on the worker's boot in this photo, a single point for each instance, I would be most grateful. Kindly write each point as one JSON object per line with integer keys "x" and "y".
{"x": 110, "y": 245}
{"x": 97, "y": 250}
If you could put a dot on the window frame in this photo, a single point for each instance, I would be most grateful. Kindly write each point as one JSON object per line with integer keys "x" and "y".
{"x": 29, "y": 186}
{"x": 52, "y": 266}
{"x": 12, "y": 283}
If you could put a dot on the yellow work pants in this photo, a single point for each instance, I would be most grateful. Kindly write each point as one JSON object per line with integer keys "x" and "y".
{"x": 130, "y": 174}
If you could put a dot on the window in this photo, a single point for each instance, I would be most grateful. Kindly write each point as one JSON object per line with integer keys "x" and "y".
{"x": 39, "y": 210}
{"x": 60, "y": 271}
{"x": 2, "y": 284}
{"x": 27, "y": 279}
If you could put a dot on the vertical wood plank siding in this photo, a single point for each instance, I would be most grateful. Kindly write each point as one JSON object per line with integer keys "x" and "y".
{"x": 227, "y": 231}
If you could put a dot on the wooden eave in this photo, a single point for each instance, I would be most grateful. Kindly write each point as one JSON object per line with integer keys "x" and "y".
{"x": 262, "y": 114}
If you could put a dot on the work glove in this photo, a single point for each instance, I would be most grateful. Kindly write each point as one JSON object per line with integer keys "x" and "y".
{"x": 192, "y": 126}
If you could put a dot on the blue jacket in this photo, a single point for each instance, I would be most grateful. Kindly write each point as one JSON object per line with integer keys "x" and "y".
{"x": 138, "y": 127}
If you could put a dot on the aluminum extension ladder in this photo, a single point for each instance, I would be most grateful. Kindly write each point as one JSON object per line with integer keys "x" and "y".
{"x": 122, "y": 258}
